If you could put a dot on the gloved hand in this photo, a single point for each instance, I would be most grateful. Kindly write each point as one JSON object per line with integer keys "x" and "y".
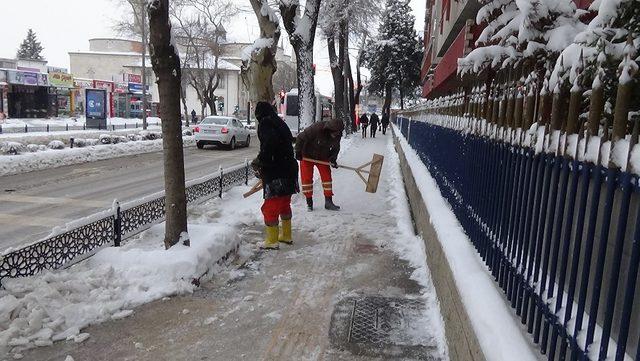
{"x": 334, "y": 164}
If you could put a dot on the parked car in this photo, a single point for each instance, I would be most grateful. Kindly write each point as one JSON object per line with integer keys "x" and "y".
{"x": 222, "y": 131}
{"x": 251, "y": 126}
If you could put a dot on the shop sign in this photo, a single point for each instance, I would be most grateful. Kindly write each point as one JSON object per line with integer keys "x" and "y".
{"x": 61, "y": 80}
{"x": 136, "y": 88}
{"x": 22, "y": 78}
{"x": 3, "y": 76}
{"x": 132, "y": 78}
{"x": 83, "y": 83}
{"x": 103, "y": 84}
{"x": 43, "y": 79}
{"x": 121, "y": 88}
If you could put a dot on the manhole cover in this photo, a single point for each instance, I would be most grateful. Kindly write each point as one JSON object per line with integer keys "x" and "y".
{"x": 383, "y": 327}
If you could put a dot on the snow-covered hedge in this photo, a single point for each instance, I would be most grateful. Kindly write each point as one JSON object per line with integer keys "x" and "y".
{"x": 56, "y": 144}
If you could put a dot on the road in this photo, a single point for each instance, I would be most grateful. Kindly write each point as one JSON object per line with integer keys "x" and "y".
{"x": 31, "y": 204}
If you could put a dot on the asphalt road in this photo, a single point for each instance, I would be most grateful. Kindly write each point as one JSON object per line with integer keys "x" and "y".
{"x": 31, "y": 204}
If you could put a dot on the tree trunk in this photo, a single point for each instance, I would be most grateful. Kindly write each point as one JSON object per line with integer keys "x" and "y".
{"x": 183, "y": 98}
{"x": 166, "y": 65}
{"x": 306, "y": 86}
{"x": 257, "y": 71}
{"x": 387, "y": 99}
{"x": 302, "y": 42}
{"x": 338, "y": 80}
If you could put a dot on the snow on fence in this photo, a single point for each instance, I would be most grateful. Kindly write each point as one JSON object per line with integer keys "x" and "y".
{"x": 30, "y": 128}
{"x": 82, "y": 238}
{"x": 550, "y": 205}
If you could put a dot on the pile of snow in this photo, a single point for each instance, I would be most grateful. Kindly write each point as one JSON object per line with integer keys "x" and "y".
{"x": 22, "y": 163}
{"x": 56, "y": 145}
{"x": 57, "y": 305}
{"x": 11, "y": 148}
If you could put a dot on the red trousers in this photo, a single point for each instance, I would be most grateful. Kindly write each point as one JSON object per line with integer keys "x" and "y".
{"x": 274, "y": 208}
{"x": 306, "y": 175}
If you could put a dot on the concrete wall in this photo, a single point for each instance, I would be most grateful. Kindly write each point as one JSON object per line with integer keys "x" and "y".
{"x": 461, "y": 339}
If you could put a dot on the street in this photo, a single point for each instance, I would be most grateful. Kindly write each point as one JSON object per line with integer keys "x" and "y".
{"x": 31, "y": 204}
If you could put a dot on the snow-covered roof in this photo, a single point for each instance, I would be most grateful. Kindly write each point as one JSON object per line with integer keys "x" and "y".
{"x": 116, "y": 53}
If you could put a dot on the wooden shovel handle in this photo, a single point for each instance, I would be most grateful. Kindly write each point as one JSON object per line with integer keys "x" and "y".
{"x": 328, "y": 163}
{"x": 256, "y": 188}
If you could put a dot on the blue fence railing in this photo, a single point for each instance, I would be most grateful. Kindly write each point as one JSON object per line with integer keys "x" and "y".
{"x": 561, "y": 237}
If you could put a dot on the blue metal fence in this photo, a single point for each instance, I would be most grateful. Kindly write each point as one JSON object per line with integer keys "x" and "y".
{"x": 560, "y": 236}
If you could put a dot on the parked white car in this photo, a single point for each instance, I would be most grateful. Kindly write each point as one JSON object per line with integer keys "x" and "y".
{"x": 224, "y": 131}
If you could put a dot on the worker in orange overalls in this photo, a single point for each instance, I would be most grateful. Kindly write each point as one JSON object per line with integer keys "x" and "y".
{"x": 320, "y": 141}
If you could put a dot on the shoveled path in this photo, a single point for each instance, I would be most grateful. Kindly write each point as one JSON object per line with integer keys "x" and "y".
{"x": 278, "y": 305}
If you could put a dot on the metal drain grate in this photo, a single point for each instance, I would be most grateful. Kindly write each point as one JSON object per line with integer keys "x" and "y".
{"x": 381, "y": 326}
{"x": 373, "y": 318}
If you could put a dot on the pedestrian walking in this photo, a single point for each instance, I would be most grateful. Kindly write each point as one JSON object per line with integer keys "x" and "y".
{"x": 277, "y": 168}
{"x": 384, "y": 122}
{"x": 374, "y": 122}
{"x": 194, "y": 117}
{"x": 320, "y": 141}
{"x": 364, "y": 122}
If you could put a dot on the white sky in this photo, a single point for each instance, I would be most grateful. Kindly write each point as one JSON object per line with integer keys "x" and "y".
{"x": 67, "y": 25}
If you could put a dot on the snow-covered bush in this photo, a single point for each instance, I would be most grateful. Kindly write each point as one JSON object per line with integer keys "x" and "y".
{"x": 187, "y": 132}
{"x": 33, "y": 148}
{"x": 11, "y": 148}
{"x": 132, "y": 137}
{"x": 56, "y": 144}
{"x": 92, "y": 141}
{"x": 105, "y": 139}
{"x": 122, "y": 139}
{"x": 80, "y": 142}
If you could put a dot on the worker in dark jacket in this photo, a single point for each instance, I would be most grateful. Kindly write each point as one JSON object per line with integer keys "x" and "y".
{"x": 374, "y": 122}
{"x": 364, "y": 122}
{"x": 320, "y": 141}
{"x": 385, "y": 122}
{"x": 278, "y": 170}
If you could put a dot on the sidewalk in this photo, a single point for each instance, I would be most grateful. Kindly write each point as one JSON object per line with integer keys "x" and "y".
{"x": 304, "y": 302}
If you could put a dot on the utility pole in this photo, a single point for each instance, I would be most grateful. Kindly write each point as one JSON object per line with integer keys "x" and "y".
{"x": 143, "y": 15}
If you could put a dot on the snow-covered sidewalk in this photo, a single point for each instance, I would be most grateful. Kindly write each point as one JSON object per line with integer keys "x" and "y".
{"x": 273, "y": 305}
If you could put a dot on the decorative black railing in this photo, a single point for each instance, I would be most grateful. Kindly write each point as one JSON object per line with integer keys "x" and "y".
{"x": 110, "y": 227}
{"x": 68, "y": 127}
{"x": 560, "y": 236}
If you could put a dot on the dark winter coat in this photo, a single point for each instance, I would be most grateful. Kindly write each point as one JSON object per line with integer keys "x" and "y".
{"x": 385, "y": 120}
{"x": 193, "y": 115}
{"x": 316, "y": 141}
{"x": 374, "y": 120}
{"x": 275, "y": 163}
{"x": 364, "y": 120}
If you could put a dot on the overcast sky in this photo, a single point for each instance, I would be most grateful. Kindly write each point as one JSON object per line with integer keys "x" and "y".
{"x": 63, "y": 26}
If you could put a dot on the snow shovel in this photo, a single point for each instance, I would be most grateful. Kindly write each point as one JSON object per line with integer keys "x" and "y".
{"x": 372, "y": 180}
{"x": 373, "y": 173}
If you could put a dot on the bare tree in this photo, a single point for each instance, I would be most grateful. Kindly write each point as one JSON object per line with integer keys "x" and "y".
{"x": 302, "y": 33}
{"x": 166, "y": 65}
{"x": 200, "y": 32}
{"x": 259, "y": 61}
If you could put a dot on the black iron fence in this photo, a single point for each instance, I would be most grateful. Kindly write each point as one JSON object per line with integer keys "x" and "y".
{"x": 110, "y": 227}
{"x": 560, "y": 234}
{"x": 27, "y": 128}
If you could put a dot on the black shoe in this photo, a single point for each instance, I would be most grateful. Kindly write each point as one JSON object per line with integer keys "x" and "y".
{"x": 309, "y": 204}
{"x": 328, "y": 204}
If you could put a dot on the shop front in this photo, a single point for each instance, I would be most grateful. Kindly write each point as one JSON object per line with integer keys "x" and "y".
{"x": 135, "y": 100}
{"x": 29, "y": 95}
{"x": 4, "y": 88}
{"x": 63, "y": 84}
{"x": 78, "y": 95}
{"x": 121, "y": 100}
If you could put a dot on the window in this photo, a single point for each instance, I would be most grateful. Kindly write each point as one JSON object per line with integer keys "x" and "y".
{"x": 293, "y": 105}
{"x": 215, "y": 121}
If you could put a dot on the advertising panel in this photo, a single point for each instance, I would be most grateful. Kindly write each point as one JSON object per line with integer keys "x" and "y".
{"x": 132, "y": 78}
{"x": 22, "y": 78}
{"x": 96, "y": 101}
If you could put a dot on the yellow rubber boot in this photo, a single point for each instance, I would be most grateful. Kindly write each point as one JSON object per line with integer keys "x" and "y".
{"x": 271, "y": 239}
{"x": 285, "y": 232}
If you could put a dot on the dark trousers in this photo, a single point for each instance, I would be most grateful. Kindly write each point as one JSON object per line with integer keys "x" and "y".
{"x": 374, "y": 128}
{"x": 384, "y": 129}
{"x": 364, "y": 130}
